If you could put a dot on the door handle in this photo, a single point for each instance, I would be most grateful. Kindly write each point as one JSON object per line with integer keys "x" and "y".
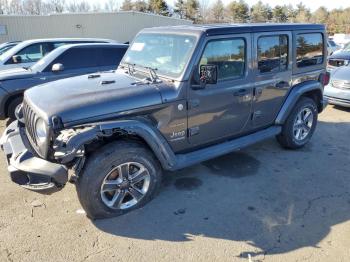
{"x": 282, "y": 84}
{"x": 240, "y": 92}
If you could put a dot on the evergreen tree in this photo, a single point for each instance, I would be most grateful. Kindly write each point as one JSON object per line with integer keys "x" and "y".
{"x": 158, "y": 7}
{"x": 238, "y": 11}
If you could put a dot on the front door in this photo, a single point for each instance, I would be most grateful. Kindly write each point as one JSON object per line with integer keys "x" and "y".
{"x": 273, "y": 75}
{"x": 221, "y": 110}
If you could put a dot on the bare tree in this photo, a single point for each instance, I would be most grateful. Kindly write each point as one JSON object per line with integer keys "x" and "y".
{"x": 78, "y": 7}
{"x": 204, "y": 10}
{"x": 57, "y": 6}
{"x": 96, "y": 8}
{"x": 16, "y": 7}
{"x": 33, "y": 7}
{"x": 112, "y": 6}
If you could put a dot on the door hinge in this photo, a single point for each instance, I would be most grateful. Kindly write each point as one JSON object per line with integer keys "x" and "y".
{"x": 193, "y": 131}
{"x": 193, "y": 103}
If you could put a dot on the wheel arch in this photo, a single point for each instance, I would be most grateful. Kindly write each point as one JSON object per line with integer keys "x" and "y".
{"x": 311, "y": 89}
{"x": 8, "y": 101}
{"x": 124, "y": 129}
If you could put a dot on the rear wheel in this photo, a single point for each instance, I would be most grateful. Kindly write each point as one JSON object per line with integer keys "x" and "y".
{"x": 118, "y": 178}
{"x": 300, "y": 124}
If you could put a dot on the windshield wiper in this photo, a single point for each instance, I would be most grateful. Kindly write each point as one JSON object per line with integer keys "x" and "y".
{"x": 152, "y": 74}
{"x": 131, "y": 68}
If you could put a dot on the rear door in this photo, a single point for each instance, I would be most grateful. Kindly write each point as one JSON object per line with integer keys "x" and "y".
{"x": 221, "y": 110}
{"x": 273, "y": 75}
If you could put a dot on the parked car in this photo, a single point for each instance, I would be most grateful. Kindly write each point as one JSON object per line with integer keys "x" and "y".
{"x": 8, "y": 45}
{"x": 181, "y": 95}
{"x": 338, "y": 90}
{"x": 65, "y": 61}
{"x": 339, "y": 58}
{"x": 332, "y": 47}
{"x": 26, "y": 53}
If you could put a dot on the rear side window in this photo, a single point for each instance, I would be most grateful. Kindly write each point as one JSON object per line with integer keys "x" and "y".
{"x": 33, "y": 53}
{"x": 228, "y": 55}
{"x": 109, "y": 56}
{"x": 272, "y": 53}
{"x": 309, "y": 49}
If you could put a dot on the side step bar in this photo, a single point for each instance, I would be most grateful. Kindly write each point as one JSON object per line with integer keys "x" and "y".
{"x": 185, "y": 160}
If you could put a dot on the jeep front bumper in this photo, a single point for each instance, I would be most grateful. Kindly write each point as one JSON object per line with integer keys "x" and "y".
{"x": 26, "y": 169}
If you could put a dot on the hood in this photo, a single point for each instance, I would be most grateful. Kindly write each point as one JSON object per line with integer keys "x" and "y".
{"x": 341, "y": 73}
{"x": 79, "y": 98}
{"x": 15, "y": 73}
{"x": 340, "y": 55}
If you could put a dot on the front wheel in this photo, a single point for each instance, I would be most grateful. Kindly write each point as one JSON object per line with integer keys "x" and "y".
{"x": 300, "y": 124}
{"x": 118, "y": 178}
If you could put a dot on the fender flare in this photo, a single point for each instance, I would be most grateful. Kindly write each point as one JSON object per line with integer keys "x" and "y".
{"x": 294, "y": 95}
{"x": 151, "y": 135}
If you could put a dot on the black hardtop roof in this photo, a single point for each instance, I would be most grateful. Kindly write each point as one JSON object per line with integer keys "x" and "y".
{"x": 221, "y": 29}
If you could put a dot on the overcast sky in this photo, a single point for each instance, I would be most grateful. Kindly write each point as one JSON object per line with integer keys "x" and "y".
{"x": 313, "y": 5}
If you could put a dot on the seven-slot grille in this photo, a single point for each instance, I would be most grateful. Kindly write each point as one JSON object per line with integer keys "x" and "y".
{"x": 341, "y": 84}
{"x": 29, "y": 121}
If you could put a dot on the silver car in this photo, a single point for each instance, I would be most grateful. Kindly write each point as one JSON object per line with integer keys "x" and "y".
{"x": 338, "y": 90}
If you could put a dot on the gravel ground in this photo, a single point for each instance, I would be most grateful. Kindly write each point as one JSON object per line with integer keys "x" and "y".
{"x": 264, "y": 202}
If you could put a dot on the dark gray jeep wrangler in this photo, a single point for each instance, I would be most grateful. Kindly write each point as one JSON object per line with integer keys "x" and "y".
{"x": 181, "y": 95}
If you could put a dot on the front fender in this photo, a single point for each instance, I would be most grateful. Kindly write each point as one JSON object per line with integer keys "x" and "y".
{"x": 294, "y": 95}
{"x": 150, "y": 134}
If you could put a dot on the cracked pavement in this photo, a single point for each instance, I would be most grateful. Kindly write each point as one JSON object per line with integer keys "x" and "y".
{"x": 264, "y": 201}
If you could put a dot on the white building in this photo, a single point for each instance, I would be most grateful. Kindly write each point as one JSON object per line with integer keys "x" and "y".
{"x": 120, "y": 26}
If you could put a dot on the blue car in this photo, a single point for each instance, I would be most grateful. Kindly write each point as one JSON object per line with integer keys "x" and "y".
{"x": 65, "y": 61}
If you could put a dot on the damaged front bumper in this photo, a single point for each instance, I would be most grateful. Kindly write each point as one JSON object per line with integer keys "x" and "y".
{"x": 25, "y": 168}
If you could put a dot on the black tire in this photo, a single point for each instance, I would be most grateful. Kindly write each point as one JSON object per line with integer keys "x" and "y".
{"x": 287, "y": 137}
{"x": 12, "y": 107}
{"x": 101, "y": 163}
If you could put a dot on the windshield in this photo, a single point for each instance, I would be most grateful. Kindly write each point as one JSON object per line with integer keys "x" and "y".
{"x": 331, "y": 42}
{"x": 347, "y": 47}
{"x": 166, "y": 53}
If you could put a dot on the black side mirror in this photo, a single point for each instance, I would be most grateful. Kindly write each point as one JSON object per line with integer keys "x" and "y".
{"x": 208, "y": 74}
{"x": 17, "y": 59}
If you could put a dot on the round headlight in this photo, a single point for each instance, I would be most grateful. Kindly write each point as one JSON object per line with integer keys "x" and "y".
{"x": 346, "y": 62}
{"x": 41, "y": 130}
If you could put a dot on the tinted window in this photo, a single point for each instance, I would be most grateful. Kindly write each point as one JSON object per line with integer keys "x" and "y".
{"x": 228, "y": 55}
{"x": 108, "y": 56}
{"x": 76, "y": 58}
{"x": 34, "y": 53}
{"x": 272, "y": 53}
{"x": 309, "y": 49}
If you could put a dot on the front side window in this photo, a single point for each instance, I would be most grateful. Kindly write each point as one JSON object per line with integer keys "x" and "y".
{"x": 228, "y": 55}
{"x": 168, "y": 54}
{"x": 273, "y": 53}
{"x": 309, "y": 49}
{"x": 34, "y": 52}
{"x": 76, "y": 58}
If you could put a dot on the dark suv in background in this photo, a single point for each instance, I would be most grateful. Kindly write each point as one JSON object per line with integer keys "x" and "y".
{"x": 65, "y": 61}
{"x": 181, "y": 95}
